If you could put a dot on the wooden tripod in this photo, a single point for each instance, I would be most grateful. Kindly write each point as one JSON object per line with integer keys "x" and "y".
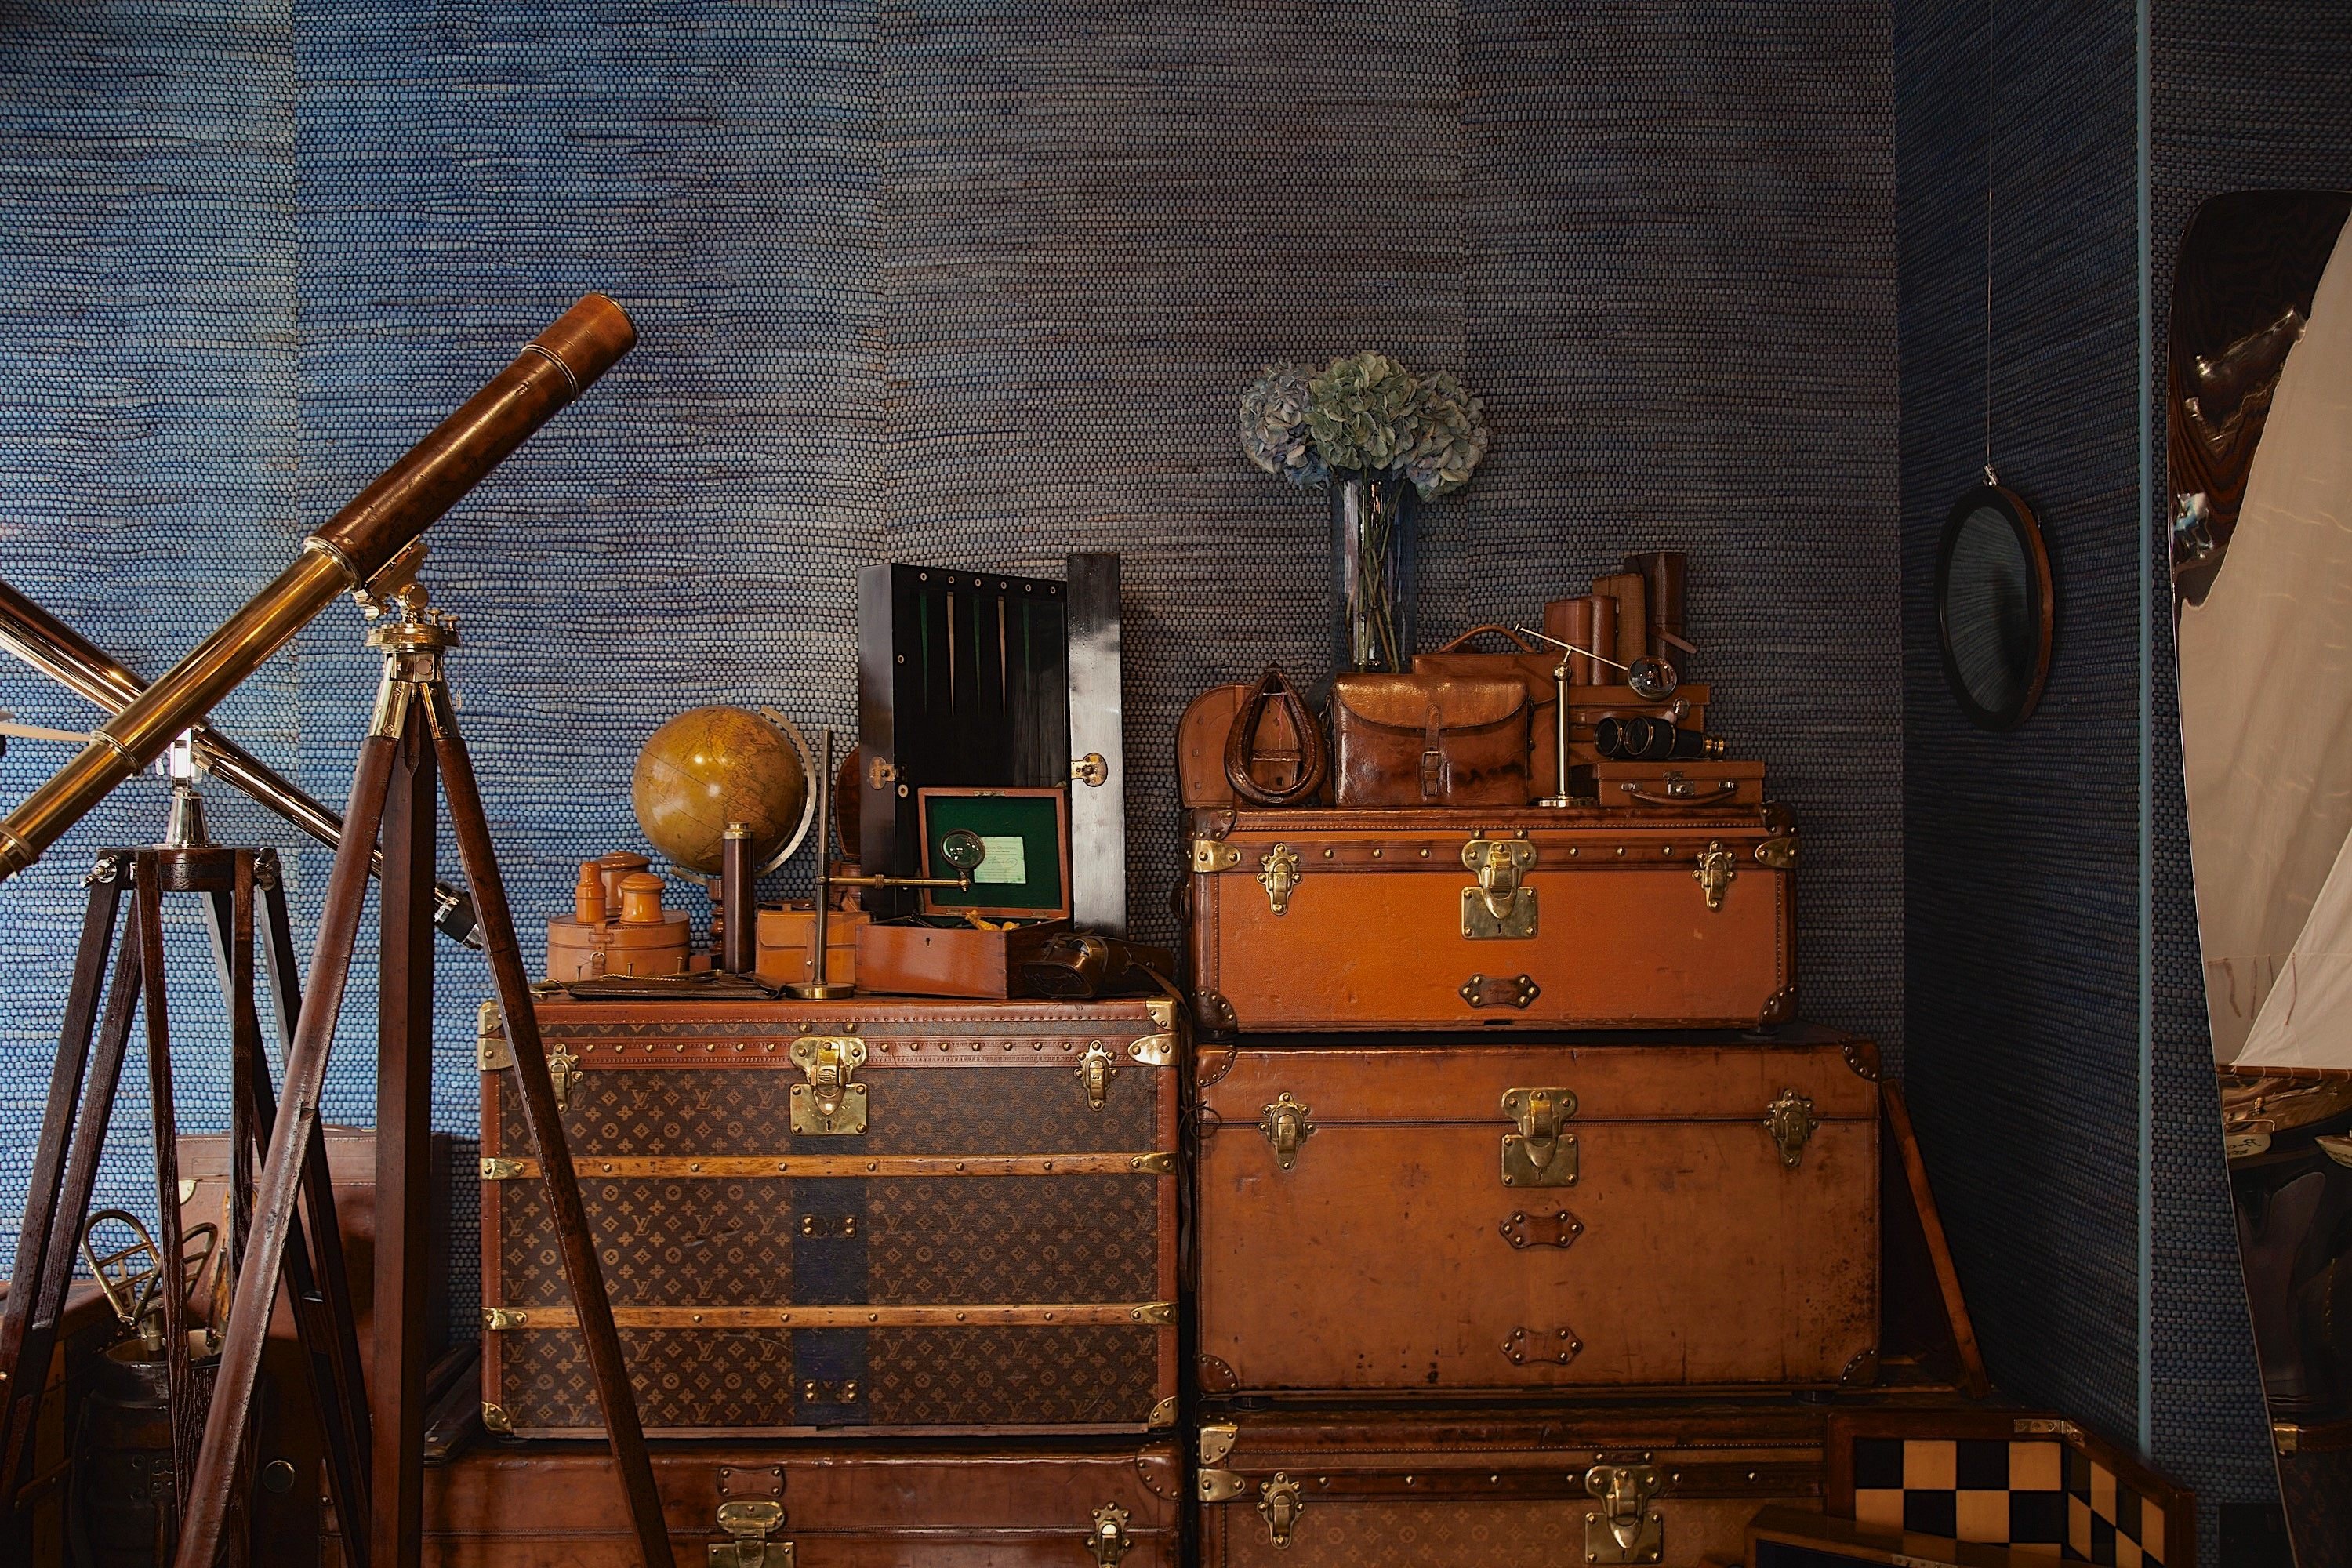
{"x": 414, "y": 729}
{"x": 81, "y": 1097}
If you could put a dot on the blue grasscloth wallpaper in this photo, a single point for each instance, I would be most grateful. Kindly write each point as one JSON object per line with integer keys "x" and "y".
{"x": 940, "y": 280}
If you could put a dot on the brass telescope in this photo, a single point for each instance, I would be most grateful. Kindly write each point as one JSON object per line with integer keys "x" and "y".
{"x": 343, "y": 554}
{"x": 66, "y": 656}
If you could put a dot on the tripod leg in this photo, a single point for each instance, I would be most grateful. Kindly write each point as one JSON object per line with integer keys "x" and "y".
{"x": 319, "y": 1278}
{"x": 544, "y": 1120}
{"x": 28, "y": 1320}
{"x": 291, "y": 1140}
{"x": 178, "y": 1379}
{"x": 404, "y": 1132}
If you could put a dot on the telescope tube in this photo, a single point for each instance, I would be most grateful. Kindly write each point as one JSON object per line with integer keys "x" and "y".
{"x": 351, "y": 547}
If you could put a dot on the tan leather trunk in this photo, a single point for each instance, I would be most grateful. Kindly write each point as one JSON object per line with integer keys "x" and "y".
{"x": 834, "y": 1506}
{"x": 1450, "y": 1218}
{"x": 1666, "y": 1485}
{"x": 1530, "y": 917}
{"x": 878, "y": 1214}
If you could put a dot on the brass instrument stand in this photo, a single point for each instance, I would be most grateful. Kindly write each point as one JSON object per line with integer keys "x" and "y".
{"x": 414, "y": 729}
{"x": 73, "y": 1131}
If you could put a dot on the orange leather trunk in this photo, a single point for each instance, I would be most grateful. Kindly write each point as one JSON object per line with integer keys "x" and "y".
{"x": 1445, "y": 918}
{"x": 1500, "y": 1489}
{"x": 1663, "y": 1211}
{"x": 545, "y": 1506}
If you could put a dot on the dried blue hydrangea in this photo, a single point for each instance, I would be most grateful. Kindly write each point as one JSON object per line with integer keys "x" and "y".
{"x": 1363, "y": 414}
{"x": 1273, "y": 425}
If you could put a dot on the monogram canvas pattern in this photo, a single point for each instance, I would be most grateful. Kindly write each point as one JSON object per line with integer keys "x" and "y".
{"x": 718, "y": 1378}
{"x": 717, "y": 1243}
{"x": 910, "y": 1110}
{"x": 1012, "y": 1377}
{"x": 1378, "y": 1535}
{"x": 1013, "y": 1239}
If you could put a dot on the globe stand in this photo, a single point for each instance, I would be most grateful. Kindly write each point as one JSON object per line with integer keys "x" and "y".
{"x": 414, "y": 729}
{"x": 817, "y": 988}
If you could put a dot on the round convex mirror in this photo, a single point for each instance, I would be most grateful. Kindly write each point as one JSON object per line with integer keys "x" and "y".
{"x": 1994, "y": 606}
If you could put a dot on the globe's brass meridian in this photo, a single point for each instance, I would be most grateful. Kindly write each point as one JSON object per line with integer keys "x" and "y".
{"x": 709, "y": 767}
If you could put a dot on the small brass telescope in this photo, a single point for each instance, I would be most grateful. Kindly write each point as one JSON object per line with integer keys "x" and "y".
{"x": 344, "y": 554}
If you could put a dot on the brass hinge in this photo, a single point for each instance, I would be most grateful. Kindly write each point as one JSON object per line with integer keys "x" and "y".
{"x": 1277, "y": 873}
{"x": 496, "y": 1419}
{"x": 497, "y": 1319}
{"x": 1220, "y": 1486}
{"x": 1212, "y": 854}
{"x": 829, "y": 1103}
{"x": 1158, "y": 1313}
{"x": 1501, "y": 907}
{"x": 750, "y": 1521}
{"x": 1626, "y": 1529}
{"x": 563, "y": 1069}
{"x": 1776, "y": 854}
{"x": 1540, "y": 1153}
{"x": 491, "y": 1052}
{"x": 1108, "y": 1540}
{"x": 1286, "y": 1124}
{"x": 1162, "y": 1415}
{"x": 1153, "y": 1050}
{"x": 1163, "y": 1012}
{"x": 495, "y": 1169}
{"x": 1095, "y": 1069}
{"x": 1277, "y": 1500}
{"x": 1715, "y": 874}
{"x": 1790, "y": 1121}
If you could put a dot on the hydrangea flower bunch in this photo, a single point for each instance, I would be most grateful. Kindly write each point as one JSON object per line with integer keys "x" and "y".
{"x": 1363, "y": 414}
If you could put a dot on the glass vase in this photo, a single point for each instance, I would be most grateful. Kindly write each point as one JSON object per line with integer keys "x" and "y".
{"x": 1373, "y": 570}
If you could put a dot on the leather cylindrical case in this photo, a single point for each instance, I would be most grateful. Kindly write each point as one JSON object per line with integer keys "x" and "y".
{"x": 739, "y": 949}
{"x": 1631, "y": 590}
{"x": 1588, "y": 623}
{"x": 1666, "y": 580}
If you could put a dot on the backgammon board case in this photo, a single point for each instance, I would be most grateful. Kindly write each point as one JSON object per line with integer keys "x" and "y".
{"x": 885, "y": 1214}
{"x": 1306, "y": 920}
{"x": 840, "y": 1505}
{"x": 1669, "y": 1485}
{"x": 1410, "y": 1216}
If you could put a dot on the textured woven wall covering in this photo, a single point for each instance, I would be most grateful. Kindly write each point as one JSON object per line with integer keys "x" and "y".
{"x": 2021, "y": 849}
{"x": 980, "y": 284}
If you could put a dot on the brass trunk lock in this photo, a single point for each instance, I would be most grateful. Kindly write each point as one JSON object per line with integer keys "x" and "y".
{"x": 1715, "y": 873}
{"x": 563, "y": 1067}
{"x": 1109, "y": 1541}
{"x": 1539, "y": 1154}
{"x": 750, "y": 1520}
{"x": 1500, "y": 908}
{"x": 1278, "y": 875}
{"x": 1095, "y": 1069}
{"x": 1277, "y": 1500}
{"x": 1790, "y": 1119}
{"x": 1286, "y": 1124}
{"x": 828, "y": 1102}
{"x": 491, "y": 1052}
{"x": 1626, "y": 1529}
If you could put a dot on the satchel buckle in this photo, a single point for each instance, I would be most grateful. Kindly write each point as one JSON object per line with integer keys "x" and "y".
{"x": 1500, "y": 908}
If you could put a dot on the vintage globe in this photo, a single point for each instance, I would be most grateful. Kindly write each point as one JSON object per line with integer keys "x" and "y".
{"x": 712, "y": 766}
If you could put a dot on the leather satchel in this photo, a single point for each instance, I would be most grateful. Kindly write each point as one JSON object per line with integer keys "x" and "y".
{"x": 1425, "y": 739}
{"x": 1530, "y": 663}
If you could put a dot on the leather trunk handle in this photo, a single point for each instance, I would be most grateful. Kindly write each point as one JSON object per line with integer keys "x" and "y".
{"x": 1314, "y": 757}
{"x": 1472, "y": 635}
{"x": 1723, "y": 787}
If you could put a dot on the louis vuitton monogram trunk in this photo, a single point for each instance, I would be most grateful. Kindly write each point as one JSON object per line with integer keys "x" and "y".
{"x": 879, "y": 1215}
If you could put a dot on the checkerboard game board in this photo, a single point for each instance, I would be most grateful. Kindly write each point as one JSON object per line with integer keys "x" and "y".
{"x": 2032, "y": 1494}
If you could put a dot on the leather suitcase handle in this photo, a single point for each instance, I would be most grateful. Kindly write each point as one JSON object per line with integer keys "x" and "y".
{"x": 1722, "y": 787}
{"x": 1315, "y": 759}
{"x": 1475, "y": 633}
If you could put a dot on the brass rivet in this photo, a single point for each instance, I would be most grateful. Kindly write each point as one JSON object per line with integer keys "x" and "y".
{"x": 1328, "y": 854}
{"x": 768, "y": 1046}
{"x": 1376, "y": 854}
{"x": 1572, "y": 851}
{"x": 1049, "y": 1164}
{"x": 1621, "y": 850}
{"x": 959, "y": 1164}
{"x": 873, "y": 1164}
{"x": 873, "y": 1317}
{"x": 694, "y": 1165}
{"x": 1424, "y": 854}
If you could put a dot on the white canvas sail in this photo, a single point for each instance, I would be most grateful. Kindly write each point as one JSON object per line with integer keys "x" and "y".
{"x": 2266, "y": 697}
